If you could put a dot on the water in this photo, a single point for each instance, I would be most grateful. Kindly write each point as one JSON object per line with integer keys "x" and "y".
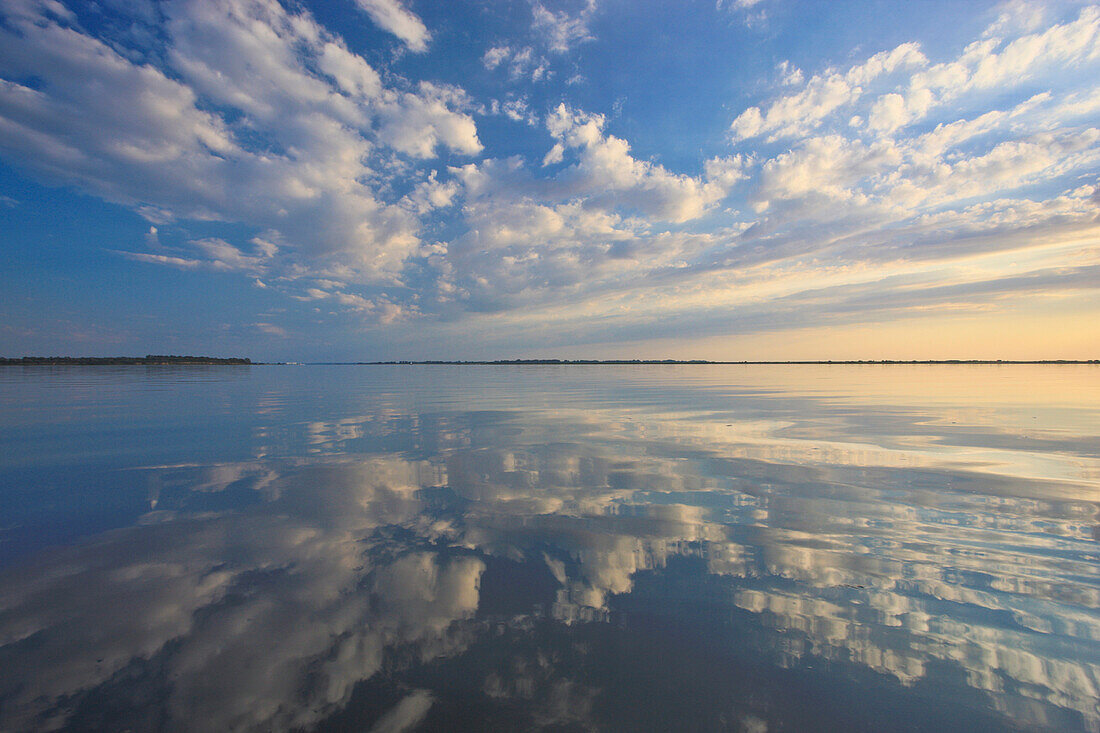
{"x": 565, "y": 548}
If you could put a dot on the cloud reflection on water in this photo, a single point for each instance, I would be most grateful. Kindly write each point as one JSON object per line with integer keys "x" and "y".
{"x": 958, "y": 563}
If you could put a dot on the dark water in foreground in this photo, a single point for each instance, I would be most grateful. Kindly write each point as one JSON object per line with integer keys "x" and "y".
{"x": 565, "y": 548}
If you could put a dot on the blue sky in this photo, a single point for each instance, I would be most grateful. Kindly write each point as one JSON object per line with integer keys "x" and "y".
{"x": 375, "y": 179}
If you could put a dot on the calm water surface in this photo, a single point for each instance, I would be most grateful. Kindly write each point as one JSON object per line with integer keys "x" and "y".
{"x": 566, "y": 548}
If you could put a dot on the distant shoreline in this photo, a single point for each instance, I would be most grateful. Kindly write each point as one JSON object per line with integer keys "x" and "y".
{"x": 147, "y": 360}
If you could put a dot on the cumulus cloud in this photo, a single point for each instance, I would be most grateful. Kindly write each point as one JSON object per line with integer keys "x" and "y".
{"x": 421, "y": 123}
{"x": 867, "y": 188}
{"x": 590, "y": 223}
{"x": 432, "y": 194}
{"x": 608, "y": 175}
{"x": 993, "y": 64}
{"x": 823, "y": 94}
{"x": 846, "y": 193}
{"x": 298, "y": 152}
{"x": 554, "y": 155}
{"x": 366, "y": 193}
{"x": 826, "y": 166}
{"x": 393, "y": 17}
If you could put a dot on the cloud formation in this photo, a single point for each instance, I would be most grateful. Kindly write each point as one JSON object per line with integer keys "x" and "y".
{"x": 382, "y": 191}
{"x": 392, "y": 16}
{"x": 304, "y": 128}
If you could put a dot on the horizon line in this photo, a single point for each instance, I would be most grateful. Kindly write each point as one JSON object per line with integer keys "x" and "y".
{"x": 158, "y": 360}
{"x": 586, "y": 362}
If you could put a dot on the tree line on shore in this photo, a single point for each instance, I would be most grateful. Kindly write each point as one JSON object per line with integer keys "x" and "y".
{"x": 148, "y": 359}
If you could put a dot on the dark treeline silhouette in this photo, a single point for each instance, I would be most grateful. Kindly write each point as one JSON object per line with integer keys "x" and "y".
{"x": 148, "y": 359}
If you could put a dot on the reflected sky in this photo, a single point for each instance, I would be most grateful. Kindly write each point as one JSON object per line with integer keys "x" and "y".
{"x": 569, "y": 548}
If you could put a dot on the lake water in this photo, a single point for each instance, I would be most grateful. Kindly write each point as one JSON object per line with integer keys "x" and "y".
{"x": 688, "y": 548}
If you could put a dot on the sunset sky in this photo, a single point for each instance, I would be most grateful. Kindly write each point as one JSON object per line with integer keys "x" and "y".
{"x": 469, "y": 179}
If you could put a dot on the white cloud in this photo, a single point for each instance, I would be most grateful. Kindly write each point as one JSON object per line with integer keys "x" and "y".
{"x": 790, "y": 74}
{"x": 751, "y": 11}
{"x": 867, "y": 188}
{"x": 726, "y": 171}
{"x": 553, "y": 34}
{"x": 217, "y": 255}
{"x": 888, "y": 113}
{"x": 225, "y": 256}
{"x": 1012, "y": 164}
{"x": 298, "y": 151}
{"x": 562, "y": 30}
{"x": 419, "y": 123}
{"x": 993, "y": 64}
{"x": 825, "y": 166}
{"x": 270, "y": 329}
{"x": 887, "y": 180}
{"x": 517, "y": 109}
{"x": 800, "y": 113}
{"x": 180, "y": 262}
{"x": 555, "y": 155}
{"x": 432, "y": 194}
{"x": 353, "y": 75}
{"x": 495, "y": 56}
{"x": 749, "y": 123}
{"x": 609, "y": 176}
{"x": 1015, "y": 15}
{"x": 522, "y": 246}
{"x": 392, "y": 16}
{"x": 522, "y": 62}
{"x": 246, "y": 112}
{"x": 587, "y": 226}
{"x": 379, "y": 309}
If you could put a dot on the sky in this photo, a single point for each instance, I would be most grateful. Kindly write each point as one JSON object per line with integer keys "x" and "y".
{"x": 355, "y": 180}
